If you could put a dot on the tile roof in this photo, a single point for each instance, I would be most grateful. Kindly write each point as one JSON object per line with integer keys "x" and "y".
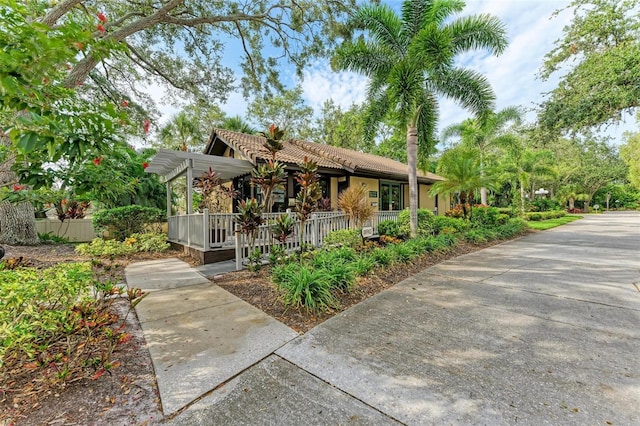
{"x": 327, "y": 156}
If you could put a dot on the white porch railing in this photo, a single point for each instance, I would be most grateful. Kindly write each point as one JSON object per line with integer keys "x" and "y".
{"x": 215, "y": 230}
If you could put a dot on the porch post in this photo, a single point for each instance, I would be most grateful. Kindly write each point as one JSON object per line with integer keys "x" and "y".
{"x": 239, "y": 247}
{"x": 205, "y": 229}
{"x": 168, "y": 198}
{"x": 190, "y": 186}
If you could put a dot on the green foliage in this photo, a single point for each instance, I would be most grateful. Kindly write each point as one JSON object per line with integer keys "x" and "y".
{"x": 277, "y": 255}
{"x": 545, "y": 204}
{"x": 344, "y": 237}
{"x": 309, "y": 194}
{"x": 536, "y": 216}
{"x": 283, "y": 228}
{"x": 341, "y": 276}
{"x": 425, "y": 223}
{"x": 596, "y": 57}
{"x": 390, "y": 228}
{"x": 255, "y": 260}
{"x": 450, "y": 225}
{"x": 513, "y": 227}
{"x": 122, "y": 222}
{"x": 50, "y": 238}
{"x": 304, "y": 286}
{"x": 286, "y": 111}
{"x": 382, "y": 256}
{"x": 269, "y": 177}
{"x": 36, "y": 306}
{"x": 363, "y": 265}
{"x": 486, "y": 217}
{"x": 135, "y": 243}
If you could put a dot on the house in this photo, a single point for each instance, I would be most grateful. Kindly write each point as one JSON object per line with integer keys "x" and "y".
{"x": 385, "y": 180}
{"x": 211, "y": 237}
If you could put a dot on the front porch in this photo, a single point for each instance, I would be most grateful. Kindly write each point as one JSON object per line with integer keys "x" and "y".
{"x": 218, "y": 235}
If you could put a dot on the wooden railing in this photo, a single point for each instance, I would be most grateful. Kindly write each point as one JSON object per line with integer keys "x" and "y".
{"x": 215, "y": 230}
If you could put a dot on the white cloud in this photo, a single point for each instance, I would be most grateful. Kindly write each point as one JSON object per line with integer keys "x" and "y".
{"x": 320, "y": 83}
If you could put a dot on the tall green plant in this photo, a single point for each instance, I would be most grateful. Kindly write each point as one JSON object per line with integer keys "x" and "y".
{"x": 269, "y": 177}
{"x": 463, "y": 176}
{"x": 249, "y": 218}
{"x": 410, "y": 61}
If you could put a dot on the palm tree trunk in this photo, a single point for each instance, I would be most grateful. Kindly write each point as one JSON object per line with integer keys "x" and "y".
{"x": 483, "y": 190}
{"x": 412, "y": 156}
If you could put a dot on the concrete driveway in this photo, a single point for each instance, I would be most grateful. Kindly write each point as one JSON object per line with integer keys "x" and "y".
{"x": 541, "y": 330}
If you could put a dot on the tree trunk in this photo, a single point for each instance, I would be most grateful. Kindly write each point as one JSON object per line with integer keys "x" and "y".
{"x": 571, "y": 203}
{"x": 18, "y": 224}
{"x": 483, "y": 190}
{"x": 17, "y": 221}
{"x": 412, "y": 156}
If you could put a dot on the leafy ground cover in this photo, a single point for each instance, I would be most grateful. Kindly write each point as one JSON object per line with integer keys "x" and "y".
{"x": 552, "y": 223}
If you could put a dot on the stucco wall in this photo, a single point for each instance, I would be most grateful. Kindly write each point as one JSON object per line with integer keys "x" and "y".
{"x": 426, "y": 201}
{"x": 370, "y": 185}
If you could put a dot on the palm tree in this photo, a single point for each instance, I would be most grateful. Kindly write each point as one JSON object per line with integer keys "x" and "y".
{"x": 238, "y": 124}
{"x": 182, "y": 133}
{"x": 409, "y": 60}
{"x": 484, "y": 132}
{"x": 464, "y": 176}
{"x": 525, "y": 164}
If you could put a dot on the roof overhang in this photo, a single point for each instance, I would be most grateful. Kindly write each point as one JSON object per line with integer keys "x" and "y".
{"x": 172, "y": 164}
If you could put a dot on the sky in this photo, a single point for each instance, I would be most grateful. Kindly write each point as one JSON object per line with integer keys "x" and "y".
{"x": 531, "y": 31}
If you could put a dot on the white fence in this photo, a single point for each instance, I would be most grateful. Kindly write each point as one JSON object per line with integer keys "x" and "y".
{"x": 216, "y": 230}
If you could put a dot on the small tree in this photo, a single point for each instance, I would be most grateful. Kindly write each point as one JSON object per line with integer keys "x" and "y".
{"x": 310, "y": 193}
{"x": 283, "y": 228}
{"x": 353, "y": 202}
{"x": 270, "y": 176}
{"x": 249, "y": 218}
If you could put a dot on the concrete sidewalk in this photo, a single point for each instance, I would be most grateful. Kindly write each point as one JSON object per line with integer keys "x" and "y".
{"x": 198, "y": 334}
{"x": 540, "y": 330}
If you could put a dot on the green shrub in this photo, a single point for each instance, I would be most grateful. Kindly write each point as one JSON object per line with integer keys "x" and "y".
{"x": 363, "y": 265}
{"x": 508, "y": 211}
{"x": 425, "y": 223}
{"x": 344, "y": 237}
{"x": 513, "y": 227}
{"x": 303, "y": 286}
{"x": 533, "y": 216}
{"x": 147, "y": 242}
{"x": 277, "y": 255}
{"x": 402, "y": 252}
{"x": 390, "y": 228}
{"x": 485, "y": 217}
{"x": 121, "y": 222}
{"x": 475, "y": 236}
{"x": 445, "y": 240}
{"x": 334, "y": 255}
{"x": 341, "y": 276}
{"x": 444, "y": 224}
{"x": 382, "y": 256}
{"x": 503, "y": 218}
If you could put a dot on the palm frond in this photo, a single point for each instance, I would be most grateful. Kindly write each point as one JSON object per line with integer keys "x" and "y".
{"x": 377, "y": 109}
{"x": 383, "y": 25}
{"x": 427, "y": 122}
{"x": 363, "y": 57}
{"x": 478, "y": 32}
{"x": 471, "y": 89}
{"x": 432, "y": 47}
{"x": 440, "y": 10}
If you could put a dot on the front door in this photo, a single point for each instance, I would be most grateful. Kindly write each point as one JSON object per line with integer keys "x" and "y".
{"x": 390, "y": 196}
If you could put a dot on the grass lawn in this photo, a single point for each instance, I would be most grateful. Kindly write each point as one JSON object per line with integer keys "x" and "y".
{"x": 552, "y": 223}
